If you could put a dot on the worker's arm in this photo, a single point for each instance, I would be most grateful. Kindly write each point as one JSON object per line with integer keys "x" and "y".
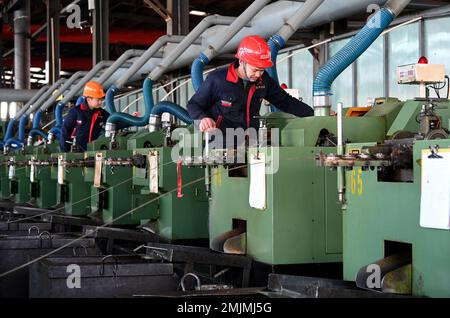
{"x": 67, "y": 130}
{"x": 285, "y": 102}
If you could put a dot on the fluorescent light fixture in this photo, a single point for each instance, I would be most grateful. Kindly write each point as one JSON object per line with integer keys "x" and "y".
{"x": 35, "y": 69}
{"x": 31, "y": 116}
{"x": 198, "y": 13}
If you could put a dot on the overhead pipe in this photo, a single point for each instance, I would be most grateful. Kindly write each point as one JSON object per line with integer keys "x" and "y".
{"x": 28, "y": 108}
{"x": 279, "y": 12}
{"x": 207, "y": 22}
{"x": 214, "y": 48}
{"x": 23, "y": 110}
{"x": 16, "y": 95}
{"x": 61, "y": 91}
{"x": 278, "y": 40}
{"x": 136, "y": 66}
{"x": 86, "y": 78}
{"x": 32, "y": 107}
{"x": 350, "y": 52}
{"x": 184, "y": 43}
{"x": 129, "y": 54}
{"x": 30, "y": 101}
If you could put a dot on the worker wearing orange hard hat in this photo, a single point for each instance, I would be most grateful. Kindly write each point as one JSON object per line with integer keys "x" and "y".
{"x": 85, "y": 122}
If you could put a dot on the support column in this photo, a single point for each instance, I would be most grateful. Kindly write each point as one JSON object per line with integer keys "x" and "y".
{"x": 22, "y": 46}
{"x": 1, "y": 51}
{"x": 179, "y": 24}
{"x": 319, "y": 53}
{"x": 53, "y": 65}
{"x": 100, "y": 30}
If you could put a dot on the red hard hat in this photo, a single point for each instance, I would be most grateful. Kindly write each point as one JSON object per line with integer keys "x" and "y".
{"x": 254, "y": 51}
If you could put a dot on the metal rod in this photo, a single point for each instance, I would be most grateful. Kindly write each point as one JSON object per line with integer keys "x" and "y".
{"x": 340, "y": 151}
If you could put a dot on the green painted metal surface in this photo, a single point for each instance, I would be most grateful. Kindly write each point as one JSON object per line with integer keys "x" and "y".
{"x": 43, "y": 190}
{"x": 303, "y": 220}
{"x": 390, "y": 211}
{"x": 75, "y": 193}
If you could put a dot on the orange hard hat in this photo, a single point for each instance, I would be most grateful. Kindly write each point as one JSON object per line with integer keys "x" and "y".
{"x": 93, "y": 89}
{"x": 254, "y": 51}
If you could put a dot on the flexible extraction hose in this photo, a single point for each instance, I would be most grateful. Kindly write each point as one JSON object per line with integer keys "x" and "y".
{"x": 109, "y": 99}
{"x": 36, "y": 131}
{"x": 22, "y": 124}
{"x": 37, "y": 119}
{"x": 197, "y": 71}
{"x": 276, "y": 42}
{"x": 9, "y": 130}
{"x": 173, "y": 109}
{"x": 128, "y": 119}
{"x": 19, "y": 141}
{"x": 350, "y": 52}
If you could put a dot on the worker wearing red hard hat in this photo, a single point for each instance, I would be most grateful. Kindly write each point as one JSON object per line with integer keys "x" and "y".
{"x": 232, "y": 98}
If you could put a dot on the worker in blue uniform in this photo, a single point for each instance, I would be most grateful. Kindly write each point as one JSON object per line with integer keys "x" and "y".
{"x": 86, "y": 121}
{"x": 232, "y": 98}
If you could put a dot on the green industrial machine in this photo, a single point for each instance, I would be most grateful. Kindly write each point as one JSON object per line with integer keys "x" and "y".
{"x": 5, "y": 184}
{"x": 72, "y": 191}
{"x": 38, "y": 173}
{"x": 136, "y": 172}
{"x": 180, "y": 216}
{"x": 389, "y": 245}
{"x": 301, "y": 221}
{"x": 111, "y": 181}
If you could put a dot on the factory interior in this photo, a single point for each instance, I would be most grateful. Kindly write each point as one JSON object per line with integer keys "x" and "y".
{"x": 127, "y": 126}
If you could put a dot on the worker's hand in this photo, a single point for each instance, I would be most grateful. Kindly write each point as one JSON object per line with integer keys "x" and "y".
{"x": 207, "y": 124}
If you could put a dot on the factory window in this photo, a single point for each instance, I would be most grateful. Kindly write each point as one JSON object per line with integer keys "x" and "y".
{"x": 12, "y": 109}
{"x": 343, "y": 85}
{"x": 437, "y": 45}
{"x": 370, "y": 73}
{"x": 403, "y": 49}
{"x": 4, "y": 110}
{"x": 190, "y": 89}
{"x": 282, "y": 68}
{"x": 303, "y": 74}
